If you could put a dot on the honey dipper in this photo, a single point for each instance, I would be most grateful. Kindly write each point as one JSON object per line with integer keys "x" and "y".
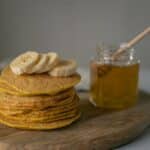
{"x": 115, "y": 56}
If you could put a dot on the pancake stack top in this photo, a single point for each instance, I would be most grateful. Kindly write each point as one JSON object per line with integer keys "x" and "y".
{"x": 39, "y": 94}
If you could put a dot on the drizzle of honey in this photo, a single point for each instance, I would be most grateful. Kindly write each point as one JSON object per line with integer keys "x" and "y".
{"x": 116, "y": 87}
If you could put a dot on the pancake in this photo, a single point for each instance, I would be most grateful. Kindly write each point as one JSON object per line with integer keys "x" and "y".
{"x": 38, "y": 125}
{"x": 38, "y": 84}
{"x": 5, "y": 88}
{"x": 38, "y": 101}
{"x": 8, "y": 101}
{"x": 40, "y": 113}
{"x": 49, "y": 118}
{"x": 14, "y": 112}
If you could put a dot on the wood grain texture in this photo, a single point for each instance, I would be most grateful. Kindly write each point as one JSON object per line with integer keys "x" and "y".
{"x": 96, "y": 130}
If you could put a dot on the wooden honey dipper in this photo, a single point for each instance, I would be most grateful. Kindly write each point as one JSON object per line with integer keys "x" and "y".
{"x": 115, "y": 56}
{"x": 131, "y": 43}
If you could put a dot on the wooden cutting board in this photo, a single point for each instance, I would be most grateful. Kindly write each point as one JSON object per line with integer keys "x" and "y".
{"x": 96, "y": 130}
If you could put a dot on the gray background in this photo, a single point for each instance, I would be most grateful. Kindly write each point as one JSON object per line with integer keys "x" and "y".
{"x": 72, "y": 27}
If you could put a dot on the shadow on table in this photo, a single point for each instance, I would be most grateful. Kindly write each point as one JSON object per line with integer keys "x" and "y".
{"x": 143, "y": 96}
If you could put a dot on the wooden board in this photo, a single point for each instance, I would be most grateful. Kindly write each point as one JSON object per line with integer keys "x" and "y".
{"x": 95, "y": 130}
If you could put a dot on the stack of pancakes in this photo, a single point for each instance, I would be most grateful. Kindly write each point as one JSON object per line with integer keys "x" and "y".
{"x": 38, "y": 101}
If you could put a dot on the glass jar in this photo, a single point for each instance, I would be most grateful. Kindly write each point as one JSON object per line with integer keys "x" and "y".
{"x": 114, "y": 84}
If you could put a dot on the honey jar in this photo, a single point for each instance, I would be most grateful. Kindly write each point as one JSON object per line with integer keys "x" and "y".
{"x": 114, "y": 84}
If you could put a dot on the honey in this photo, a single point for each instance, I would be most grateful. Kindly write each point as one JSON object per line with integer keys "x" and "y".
{"x": 114, "y": 86}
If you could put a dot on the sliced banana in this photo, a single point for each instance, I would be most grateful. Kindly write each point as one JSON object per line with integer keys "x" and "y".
{"x": 39, "y": 67}
{"x": 53, "y": 60}
{"x": 33, "y": 62}
{"x": 64, "y": 68}
{"x": 24, "y": 62}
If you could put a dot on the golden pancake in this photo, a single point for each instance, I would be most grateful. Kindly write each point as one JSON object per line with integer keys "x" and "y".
{"x": 38, "y": 126}
{"x": 13, "y": 112}
{"x": 40, "y": 113}
{"x": 2, "y": 90}
{"x": 49, "y": 118}
{"x": 5, "y": 88}
{"x": 38, "y": 84}
{"x": 35, "y": 102}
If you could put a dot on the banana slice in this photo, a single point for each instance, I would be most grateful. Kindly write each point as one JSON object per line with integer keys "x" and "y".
{"x": 52, "y": 62}
{"x": 39, "y": 67}
{"x": 64, "y": 68}
{"x": 24, "y": 62}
